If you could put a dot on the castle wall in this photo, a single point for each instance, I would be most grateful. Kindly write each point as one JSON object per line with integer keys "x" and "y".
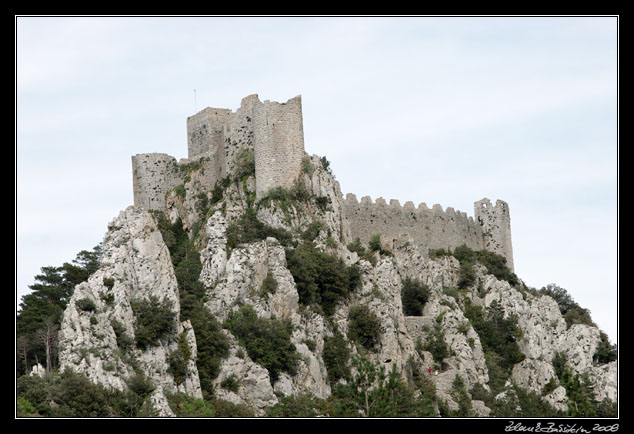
{"x": 496, "y": 224}
{"x": 278, "y": 144}
{"x": 153, "y": 175}
{"x": 206, "y": 130}
{"x": 430, "y": 228}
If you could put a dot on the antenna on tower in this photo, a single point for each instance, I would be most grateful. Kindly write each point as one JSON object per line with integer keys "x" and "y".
{"x": 195, "y": 109}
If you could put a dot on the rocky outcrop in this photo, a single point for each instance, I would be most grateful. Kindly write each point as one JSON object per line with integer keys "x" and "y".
{"x": 98, "y": 330}
{"x": 99, "y": 318}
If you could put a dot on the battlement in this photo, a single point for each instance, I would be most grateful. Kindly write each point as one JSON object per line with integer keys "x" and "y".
{"x": 433, "y": 228}
{"x": 408, "y": 208}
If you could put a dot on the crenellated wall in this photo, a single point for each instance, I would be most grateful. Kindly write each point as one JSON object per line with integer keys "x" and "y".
{"x": 430, "y": 228}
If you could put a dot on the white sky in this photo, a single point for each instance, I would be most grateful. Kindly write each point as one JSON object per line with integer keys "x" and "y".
{"x": 441, "y": 110}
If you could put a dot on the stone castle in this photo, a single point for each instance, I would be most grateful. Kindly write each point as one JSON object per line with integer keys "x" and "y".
{"x": 275, "y": 133}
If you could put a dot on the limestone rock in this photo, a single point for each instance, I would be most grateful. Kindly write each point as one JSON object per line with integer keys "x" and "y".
{"x": 136, "y": 266}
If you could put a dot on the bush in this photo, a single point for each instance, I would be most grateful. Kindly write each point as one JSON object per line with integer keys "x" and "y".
{"x": 494, "y": 263}
{"x": 212, "y": 346}
{"x": 154, "y": 320}
{"x": 124, "y": 342}
{"x": 374, "y": 245}
{"x": 436, "y": 344}
{"x": 67, "y": 394}
{"x": 269, "y": 285}
{"x": 185, "y": 406}
{"x": 179, "y": 359}
{"x": 364, "y": 327}
{"x": 249, "y": 229}
{"x": 244, "y": 163}
{"x": 86, "y": 305}
{"x": 230, "y": 383}
{"x": 267, "y": 341}
{"x": 499, "y": 337}
{"x": 571, "y": 311}
{"x": 305, "y": 405}
{"x": 321, "y": 278}
{"x": 605, "y": 352}
{"x": 414, "y": 295}
{"x": 336, "y": 355}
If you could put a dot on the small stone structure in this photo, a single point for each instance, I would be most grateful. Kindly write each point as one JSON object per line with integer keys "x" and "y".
{"x": 275, "y": 133}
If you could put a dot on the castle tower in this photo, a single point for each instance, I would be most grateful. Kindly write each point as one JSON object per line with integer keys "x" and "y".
{"x": 278, "y": 133}
{"x": 206, "y": 130}
{"x": 496, "y": 225}
{"x": 153, "y": 175}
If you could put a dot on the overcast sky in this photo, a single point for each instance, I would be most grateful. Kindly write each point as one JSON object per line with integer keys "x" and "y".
{"x": 443, "y": 110}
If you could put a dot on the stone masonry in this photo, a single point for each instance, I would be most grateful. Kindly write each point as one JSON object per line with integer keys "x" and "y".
{"x": 274, "y": 131}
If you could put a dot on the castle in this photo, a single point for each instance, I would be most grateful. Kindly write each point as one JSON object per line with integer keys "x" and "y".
{"x": 275, "y": 133}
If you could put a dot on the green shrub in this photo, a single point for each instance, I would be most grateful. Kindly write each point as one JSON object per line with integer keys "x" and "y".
{"x": 212, "y": 346}
{"x": 230, "y": 383}
{"x": 108, "y": 282}
{"x": 326, "y": 165}
{"x": 180, "y": 191}
{"x": 436, "y": 344}
{"x": 336, "y": 355}
{"x": 466, "y": 275}
{"x": 374, "y": 245}
{"x": 499, "y": 337}
{"x": 124, "y": 342}
{"x": 414, "y": 295}
{"x": 357, "y": 247}
{"x": 267, "y": 341}
{"x": 494, "y": 263}
{"x": 269, "y": 285}
{"x": 184, "y": 405}
{"x": 66, "y": 394}
{"x": 244, "y": 163}
{"x": 305, "y": 405}
{"x": 179, "y": 358}
{"x": 86, "y": 305}
{"x": 249, "y": 229}
{"x": 605, "y": 352}
{"x": 364, "y": 327}
{"x": 154, "y": 320}
{"x": 321, "y": 278}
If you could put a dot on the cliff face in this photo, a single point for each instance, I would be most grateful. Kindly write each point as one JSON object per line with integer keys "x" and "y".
{"x": 137, "y": 267}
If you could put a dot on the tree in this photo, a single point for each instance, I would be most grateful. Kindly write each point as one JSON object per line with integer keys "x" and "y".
{"x": 364, "y": 327}
{"x": 414, "y": 295}
{"x": 48, "y": 337}
{"x": 373, "y": 392}
{"x": 47, "y": 300}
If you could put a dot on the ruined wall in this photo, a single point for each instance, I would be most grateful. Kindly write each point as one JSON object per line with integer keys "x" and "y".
{"x": 430, "y": 228}
{"x": 206, "y": 130}
{"x": 278, "y": 143}
{"x": 496, "y": 226}
{"x": 153, "y": 175}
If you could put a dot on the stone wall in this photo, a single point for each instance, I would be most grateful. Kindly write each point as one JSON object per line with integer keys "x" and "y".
{"x": 206, "y": 130}
{"x": 430, "y": 228}
{"x": 153, "y": 175}
{"x": 279, "y": 144}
